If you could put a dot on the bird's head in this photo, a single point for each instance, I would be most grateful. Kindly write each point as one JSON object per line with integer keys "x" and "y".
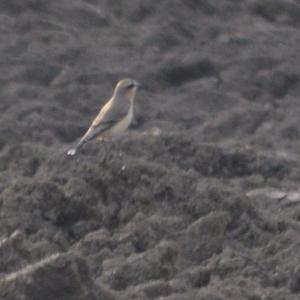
{"x": 126, "y": 88}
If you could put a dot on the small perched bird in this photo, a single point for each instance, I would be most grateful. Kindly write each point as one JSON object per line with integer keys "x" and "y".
{"x": 115, "y": 116}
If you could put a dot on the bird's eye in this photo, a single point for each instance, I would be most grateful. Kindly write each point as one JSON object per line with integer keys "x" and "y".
{"x": 130, "y": 86}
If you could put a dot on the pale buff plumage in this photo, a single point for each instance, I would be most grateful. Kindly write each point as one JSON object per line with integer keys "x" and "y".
{"x": 115, "y": 116}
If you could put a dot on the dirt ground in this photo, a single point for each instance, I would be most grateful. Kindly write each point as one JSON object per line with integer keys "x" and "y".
{"x": 200, "y": 200}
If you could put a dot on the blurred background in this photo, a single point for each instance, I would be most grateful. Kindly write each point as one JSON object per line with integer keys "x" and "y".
{"x": 201, "y": 201}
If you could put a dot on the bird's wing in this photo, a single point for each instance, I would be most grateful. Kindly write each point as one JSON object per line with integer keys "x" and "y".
{"x": 108, "y": 116}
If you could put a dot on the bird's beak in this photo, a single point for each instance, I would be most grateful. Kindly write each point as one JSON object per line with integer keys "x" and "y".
{"x": 138, "y": 85}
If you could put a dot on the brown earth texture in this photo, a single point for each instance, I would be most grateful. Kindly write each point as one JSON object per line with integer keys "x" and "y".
{"x": 200, "y": 199}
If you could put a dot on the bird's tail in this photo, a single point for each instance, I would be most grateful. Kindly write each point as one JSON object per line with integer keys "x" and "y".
{"x": 89, "y": 135}
{"x": 73, "y": 151}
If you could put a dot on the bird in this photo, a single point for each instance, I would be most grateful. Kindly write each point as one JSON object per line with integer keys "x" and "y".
{"x": 115, "y": 116}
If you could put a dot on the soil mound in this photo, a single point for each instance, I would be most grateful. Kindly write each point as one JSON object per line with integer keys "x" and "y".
{"x": 200, "y": 200}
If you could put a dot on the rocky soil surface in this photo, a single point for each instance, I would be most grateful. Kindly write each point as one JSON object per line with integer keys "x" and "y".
{"x": 200, "y": 200}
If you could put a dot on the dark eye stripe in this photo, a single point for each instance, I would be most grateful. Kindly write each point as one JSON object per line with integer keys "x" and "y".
{"x": 129, "y": 86}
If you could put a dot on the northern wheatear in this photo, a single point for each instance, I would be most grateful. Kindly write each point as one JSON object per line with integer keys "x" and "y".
{"x": 115, "y": 116}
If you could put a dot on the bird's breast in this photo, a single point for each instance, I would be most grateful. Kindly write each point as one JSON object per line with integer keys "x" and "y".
{"x": 123, "y": 124}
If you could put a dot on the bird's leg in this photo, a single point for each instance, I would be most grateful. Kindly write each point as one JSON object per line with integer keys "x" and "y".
{"x": 105, "y": 150}
{"x": 110, "y": 144}
{"x": 114, "y": 148}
